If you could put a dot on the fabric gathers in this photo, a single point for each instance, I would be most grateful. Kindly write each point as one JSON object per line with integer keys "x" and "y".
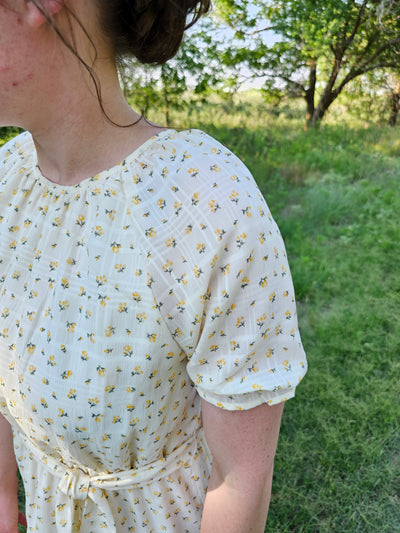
{"x": 79, "y": 483}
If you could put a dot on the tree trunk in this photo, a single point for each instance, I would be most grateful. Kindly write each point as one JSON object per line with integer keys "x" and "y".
{"x": 310, "y": 94}
{"x": 166, "y": 95}
{"x": 146, "y": 105}
{"x": 315, "y": 114}
{"x": 394, "y": 105}
{"x": 329, "y": 94}
{"x": 320, "y": 111}
{"x": 166, "y": 109}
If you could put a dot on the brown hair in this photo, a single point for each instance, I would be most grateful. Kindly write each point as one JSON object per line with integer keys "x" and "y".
{"x": 150, "y": 30}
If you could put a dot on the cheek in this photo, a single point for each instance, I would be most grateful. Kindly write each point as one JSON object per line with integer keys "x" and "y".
{"x": 26, "y": 78}
{"x": 15, "y": 69}
{"x": 15, "y": 90}
{"x": 15, "y": 46}
{"x": 7, "y": 77}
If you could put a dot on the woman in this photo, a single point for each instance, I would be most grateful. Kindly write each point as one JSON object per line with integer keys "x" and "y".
{"x": 148, "y": 333}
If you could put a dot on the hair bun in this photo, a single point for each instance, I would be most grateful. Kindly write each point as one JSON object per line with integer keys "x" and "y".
{"x": 150, "y": 30}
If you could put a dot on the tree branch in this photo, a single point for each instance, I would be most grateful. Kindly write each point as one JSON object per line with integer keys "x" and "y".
{"x": 357, "y": 24}
{"x": 381, "y": 49}
{"x": 357, "y": 72}
{"x": 343, "y": 43}
{"x": 255, "y": 32}
{"x": 370, "y": 42}
{"x": 292, "y": 82}
{"x": 244, "y": 33}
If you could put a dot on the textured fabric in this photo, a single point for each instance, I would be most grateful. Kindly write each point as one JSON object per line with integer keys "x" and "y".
{"x": 124, "y": 300}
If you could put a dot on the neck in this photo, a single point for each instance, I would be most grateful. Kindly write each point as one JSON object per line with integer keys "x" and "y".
{"x": 73, "y": 137}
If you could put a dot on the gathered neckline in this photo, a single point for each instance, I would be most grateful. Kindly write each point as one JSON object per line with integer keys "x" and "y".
{"x": 104, "y": 174}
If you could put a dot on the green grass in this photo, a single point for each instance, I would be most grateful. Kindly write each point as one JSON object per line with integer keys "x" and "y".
{"x": 335, "y": 195}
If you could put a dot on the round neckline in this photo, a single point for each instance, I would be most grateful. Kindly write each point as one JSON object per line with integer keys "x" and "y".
{"x": 103, "y": 174}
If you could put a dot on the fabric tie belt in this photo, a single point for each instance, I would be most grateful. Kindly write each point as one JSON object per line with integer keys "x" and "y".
{"x": 81, "y": 483}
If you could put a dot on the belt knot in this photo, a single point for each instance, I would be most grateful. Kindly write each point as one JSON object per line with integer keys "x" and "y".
{"x": 75, "y": 483}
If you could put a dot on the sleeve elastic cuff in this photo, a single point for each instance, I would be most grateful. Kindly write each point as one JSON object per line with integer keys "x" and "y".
{"x": 246, "y": 401}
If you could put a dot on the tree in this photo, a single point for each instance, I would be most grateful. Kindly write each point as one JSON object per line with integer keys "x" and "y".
{"x": 393, "y": 85}
{"x": 165, "y": 86}
{"x": 154, "y": 87}
{"x": 320, "y": 45}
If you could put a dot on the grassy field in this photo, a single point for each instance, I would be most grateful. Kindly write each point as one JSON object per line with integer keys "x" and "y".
{"x": 335, "y": 195}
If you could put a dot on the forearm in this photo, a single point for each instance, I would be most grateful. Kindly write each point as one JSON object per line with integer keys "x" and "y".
{"x": 236, "y": 506}
{"x": 8, "y": 464}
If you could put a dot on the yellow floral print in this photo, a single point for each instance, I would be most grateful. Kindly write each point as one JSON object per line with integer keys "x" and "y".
{"x": 124, "y": 300}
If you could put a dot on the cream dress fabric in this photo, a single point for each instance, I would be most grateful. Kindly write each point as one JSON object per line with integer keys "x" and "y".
{"x": 123, "y": 301}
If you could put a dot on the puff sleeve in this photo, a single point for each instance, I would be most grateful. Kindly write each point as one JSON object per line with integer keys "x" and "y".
{"x": 249, "y": 351}
{"x": 228, "y": 296}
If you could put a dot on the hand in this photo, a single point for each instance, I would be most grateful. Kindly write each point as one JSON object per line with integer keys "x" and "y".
{"x": 10, "y": 516}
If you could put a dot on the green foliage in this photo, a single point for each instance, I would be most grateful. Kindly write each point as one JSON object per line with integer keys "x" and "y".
{"x": 147, "y": 87}
{"x": 320, "y": 46}
{"x": 313, "y": 49}
{"x": 342, "y": 236}
{"x": 7, "y": 133}
{"x": 21, "y": 499}
{"x": 155, "y": 86}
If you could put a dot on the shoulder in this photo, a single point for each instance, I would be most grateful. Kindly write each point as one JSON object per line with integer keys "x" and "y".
{"x": 192, "y": 170}
{"x": 22, "y": 143}
{"x": 193, "y": 150}
{"x": 200, "y": 153}
{"x": 200, "y": 200}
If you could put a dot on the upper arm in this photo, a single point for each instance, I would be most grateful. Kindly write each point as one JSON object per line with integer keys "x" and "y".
{"x": 242, "y": 443}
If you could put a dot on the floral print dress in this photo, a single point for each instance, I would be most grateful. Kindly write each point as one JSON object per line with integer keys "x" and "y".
{"x": 124, "y": 300}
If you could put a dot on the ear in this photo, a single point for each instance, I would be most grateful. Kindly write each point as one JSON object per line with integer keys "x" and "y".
{"x": 37, "y": 11}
